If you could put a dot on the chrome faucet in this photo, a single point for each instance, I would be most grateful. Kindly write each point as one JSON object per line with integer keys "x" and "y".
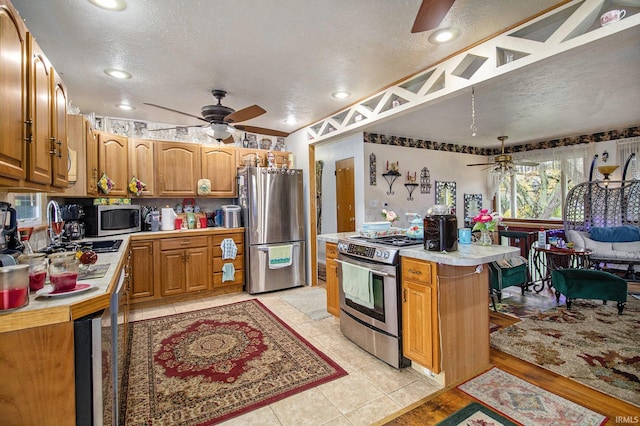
{"x": 54, "y": 221}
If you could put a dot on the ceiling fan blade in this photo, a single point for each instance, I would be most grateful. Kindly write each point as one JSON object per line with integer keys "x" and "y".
{"x": 176, "y": 111}
{"x": 481, "y": 164}
{"x": 526, "y": 163}
{"x": 229, "y": 140}
{"x": 245, "y": 114}
{"x": 262, "y": 131}
{"x": 430, "y": 14}
{"x": 174, "y": 127}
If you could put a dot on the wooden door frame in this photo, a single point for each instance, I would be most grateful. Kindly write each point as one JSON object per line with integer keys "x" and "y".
{"x": 313, "y": 243}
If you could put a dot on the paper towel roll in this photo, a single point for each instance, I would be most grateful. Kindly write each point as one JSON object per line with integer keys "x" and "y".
{"x": 167, "y": 222}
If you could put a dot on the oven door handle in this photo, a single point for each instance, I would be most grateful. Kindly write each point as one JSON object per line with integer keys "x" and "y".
{"x": 382, "y": 274}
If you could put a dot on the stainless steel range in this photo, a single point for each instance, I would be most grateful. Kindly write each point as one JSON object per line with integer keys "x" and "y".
{"x": 370, "y": 288}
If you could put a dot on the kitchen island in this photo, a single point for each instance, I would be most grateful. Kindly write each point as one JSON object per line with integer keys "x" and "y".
{"x": 37, "y": 357}
{"x": 445, "y": 306}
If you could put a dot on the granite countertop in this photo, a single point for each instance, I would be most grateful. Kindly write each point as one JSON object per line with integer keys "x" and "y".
{"x": 467, "y": 254}
{"x": 44, "y": 310}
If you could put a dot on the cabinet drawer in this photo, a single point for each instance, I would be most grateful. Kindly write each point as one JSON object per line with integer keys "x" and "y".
{"x": 181, "y": 243}
{"x": 217, "y": 239}
{"x": 331, "y": 250}
{"x": 238, "y": 263}
{"x": 238, "y": 279}
{"x": 415, "y": 270}
{"x": 217, "y": 251}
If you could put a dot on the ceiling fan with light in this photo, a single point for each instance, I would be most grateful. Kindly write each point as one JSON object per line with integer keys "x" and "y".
{"x": 503, "y": 164}
{"x": 430, "y": 14}
{"x": 221, "y": 119}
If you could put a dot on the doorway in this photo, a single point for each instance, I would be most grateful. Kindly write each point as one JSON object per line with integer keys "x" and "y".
{"x": 345, "y": 195}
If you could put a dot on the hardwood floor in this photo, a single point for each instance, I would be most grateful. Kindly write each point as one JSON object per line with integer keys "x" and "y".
{"x": 439, "y": 406}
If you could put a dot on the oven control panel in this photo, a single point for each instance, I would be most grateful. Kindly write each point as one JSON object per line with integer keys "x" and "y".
{"x": 378, "y": 254}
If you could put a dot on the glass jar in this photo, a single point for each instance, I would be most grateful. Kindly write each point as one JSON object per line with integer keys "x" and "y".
{"x": 14, "y": 287}
{"x": 63, "y": 271}
{"x": 37, "y": 269}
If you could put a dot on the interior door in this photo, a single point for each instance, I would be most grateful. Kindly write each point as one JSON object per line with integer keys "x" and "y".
{"x": 345, "y": 195}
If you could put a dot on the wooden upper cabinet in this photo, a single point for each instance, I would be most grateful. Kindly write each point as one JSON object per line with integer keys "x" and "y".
{"x": 281, "y": 157}
{"x": 219, "y": 166}
{"x": 59, "y": 132}
{"x": 42, "y": 146}
{"x": 178, "y": 169}
{"x": 77, "y": 139}
{"x": 247, "y": 157}
{"x": 13, "y": 94}
{"x": 113, "y": 160}
{"x": 141, "y": 164}
{"x": 91, "y": 159}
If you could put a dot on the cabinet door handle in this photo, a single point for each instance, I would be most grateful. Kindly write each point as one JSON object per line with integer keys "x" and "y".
{"x": 404, "y": 295}
{"x": 414, "y": 271}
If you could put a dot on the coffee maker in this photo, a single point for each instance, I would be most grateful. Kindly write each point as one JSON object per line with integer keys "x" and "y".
{"x": 9, "y": 237}
{"x": 441, "y": 232}
{"x": 73, "y": 215}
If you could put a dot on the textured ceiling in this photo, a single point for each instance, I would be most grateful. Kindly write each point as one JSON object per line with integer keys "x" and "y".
{"x": 288, "y": 56}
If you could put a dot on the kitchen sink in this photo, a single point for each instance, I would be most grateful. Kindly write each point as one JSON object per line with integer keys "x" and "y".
{"x": 106, "y": 246}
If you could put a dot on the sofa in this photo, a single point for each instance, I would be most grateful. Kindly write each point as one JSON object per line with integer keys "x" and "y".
{"x": 618, "y": 245}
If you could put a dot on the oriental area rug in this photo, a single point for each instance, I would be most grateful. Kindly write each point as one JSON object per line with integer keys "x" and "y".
{"x": 526, "y": 403}
{"x": 590, "y": 344}
{"x": 476, "y": 414}
{"x": 207, "y": 366}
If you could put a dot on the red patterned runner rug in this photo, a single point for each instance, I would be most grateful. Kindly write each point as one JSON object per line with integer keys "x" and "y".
{"x": 207, "y": 366}
{"x": 526, "y": 403}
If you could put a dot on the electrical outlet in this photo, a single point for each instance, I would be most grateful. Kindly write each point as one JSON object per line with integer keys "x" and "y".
{"x": 373, "y": 204}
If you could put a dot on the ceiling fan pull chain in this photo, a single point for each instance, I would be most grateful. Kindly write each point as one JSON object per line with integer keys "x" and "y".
{"x": 473, "y": 127}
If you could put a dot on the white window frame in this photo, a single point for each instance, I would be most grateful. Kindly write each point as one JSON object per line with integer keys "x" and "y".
{"x": 560, "y": 154}
{"x": 38, "y": 200}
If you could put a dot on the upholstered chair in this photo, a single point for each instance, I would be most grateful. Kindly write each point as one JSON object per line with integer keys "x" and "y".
{"x": 589, "y": 284}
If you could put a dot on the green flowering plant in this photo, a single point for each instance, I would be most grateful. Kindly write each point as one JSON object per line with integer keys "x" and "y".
{"x": 486, "y": 221}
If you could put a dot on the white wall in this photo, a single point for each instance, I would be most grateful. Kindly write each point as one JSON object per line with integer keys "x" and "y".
{"x": 329, "y": 153}
{"x": 442, "y": 165}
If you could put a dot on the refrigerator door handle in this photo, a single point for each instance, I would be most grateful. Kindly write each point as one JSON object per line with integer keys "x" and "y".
{"x": 267, "y": 248}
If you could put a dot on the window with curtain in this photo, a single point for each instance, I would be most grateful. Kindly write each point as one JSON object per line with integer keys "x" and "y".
{"x": 539, "y": 192}
{"x": 628, "y": 150}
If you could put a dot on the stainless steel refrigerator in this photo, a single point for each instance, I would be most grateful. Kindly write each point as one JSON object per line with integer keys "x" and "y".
{"x": 273, "y": 217}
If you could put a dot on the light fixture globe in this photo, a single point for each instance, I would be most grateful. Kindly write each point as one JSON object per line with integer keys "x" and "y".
{"x": 218, "y": 131}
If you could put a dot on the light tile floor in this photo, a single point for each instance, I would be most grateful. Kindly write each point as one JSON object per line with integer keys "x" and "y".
{"x": 371, "y": 391}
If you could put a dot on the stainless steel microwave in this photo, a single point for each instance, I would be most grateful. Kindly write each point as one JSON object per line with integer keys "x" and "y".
{"x": 103, "y": 221}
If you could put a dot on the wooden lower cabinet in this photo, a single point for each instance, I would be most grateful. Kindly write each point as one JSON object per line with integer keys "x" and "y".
{"x": 419, "y": 314}
{"x": 142, "y": 277}
{"x": 176, "y": 265}
{"x": 218, "y": 262}
{"x": 333, "y": 291}
{"x": 37, "y": 367}
{"x": 184, "y": 265}
{"x": 445, "y": 318}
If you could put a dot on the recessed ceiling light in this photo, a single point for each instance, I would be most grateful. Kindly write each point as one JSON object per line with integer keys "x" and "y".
{"x": 291, "y": 120}
{"x": 115, "y": 5}
{"x": 125, "y": 107}
{"x": 342, "y": 94}
{"x": 443, "y": 35}
{"x": 112, "y": 72}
